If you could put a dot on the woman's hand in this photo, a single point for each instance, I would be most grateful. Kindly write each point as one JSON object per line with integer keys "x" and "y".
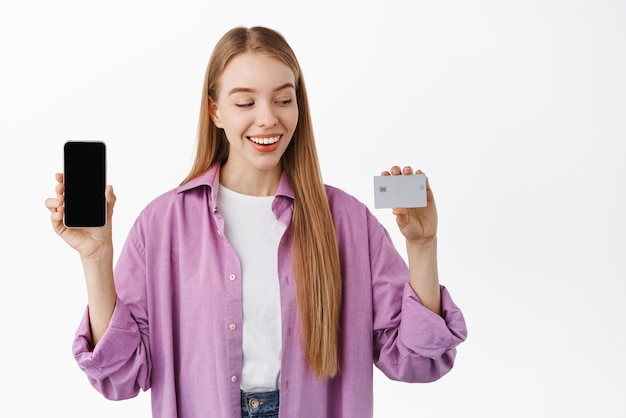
{"x": 418, "y": 225}
{"x": 89, "y": 242}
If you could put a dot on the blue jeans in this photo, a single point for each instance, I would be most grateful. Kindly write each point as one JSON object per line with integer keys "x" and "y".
{"x": 261, "y": 404}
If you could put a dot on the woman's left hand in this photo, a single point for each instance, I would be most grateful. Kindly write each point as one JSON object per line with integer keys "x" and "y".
{"x": 416, "y": 224}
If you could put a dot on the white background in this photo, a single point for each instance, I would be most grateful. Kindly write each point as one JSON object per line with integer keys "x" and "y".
{"x": 515, "y": 110}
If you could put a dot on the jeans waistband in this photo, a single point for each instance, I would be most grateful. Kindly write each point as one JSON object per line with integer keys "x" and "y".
{"x": 259, "y": 404}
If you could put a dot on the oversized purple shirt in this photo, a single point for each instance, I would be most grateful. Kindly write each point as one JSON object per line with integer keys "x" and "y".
{"x": 176, "y": 328}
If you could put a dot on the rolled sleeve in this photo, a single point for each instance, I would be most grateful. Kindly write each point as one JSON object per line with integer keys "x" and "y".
{"x": 425, "y": 333}
{"x": 412, "y": 343}
{"x": 117, "y": 367}
{"x": 422, "y": 347}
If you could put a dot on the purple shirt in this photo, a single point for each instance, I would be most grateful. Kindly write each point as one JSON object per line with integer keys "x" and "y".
{"x": 176, "y": 327}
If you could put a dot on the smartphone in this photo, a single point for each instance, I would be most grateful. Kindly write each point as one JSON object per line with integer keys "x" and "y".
{"x": 402, "y": 191}
{"x": 84, "y": 175}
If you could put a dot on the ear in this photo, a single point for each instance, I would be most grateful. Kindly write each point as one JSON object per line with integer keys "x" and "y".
{"x": 215, "y": 114}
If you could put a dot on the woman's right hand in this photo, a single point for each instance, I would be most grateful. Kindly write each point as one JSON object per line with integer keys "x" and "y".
{"x": 89, "y": 242}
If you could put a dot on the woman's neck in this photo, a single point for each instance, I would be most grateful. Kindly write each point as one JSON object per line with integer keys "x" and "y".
{"x": 250, "y": 181}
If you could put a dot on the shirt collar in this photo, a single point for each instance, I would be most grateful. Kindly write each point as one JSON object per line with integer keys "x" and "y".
{"x": 208, "y": 178}
{"x": 211, "y": 178}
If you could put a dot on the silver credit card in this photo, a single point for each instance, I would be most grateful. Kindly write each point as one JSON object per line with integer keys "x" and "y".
{"x": 402, "y": 191}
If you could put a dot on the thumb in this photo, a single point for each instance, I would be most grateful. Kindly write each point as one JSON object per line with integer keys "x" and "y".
{"x": 111, "y": 198}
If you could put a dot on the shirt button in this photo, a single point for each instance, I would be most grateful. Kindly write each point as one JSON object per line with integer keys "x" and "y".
{"x": 233, "y": 379}
{"x": 219, "y": 232}
{"x": 232, "y": 327}
{"x": 232, "y": 277}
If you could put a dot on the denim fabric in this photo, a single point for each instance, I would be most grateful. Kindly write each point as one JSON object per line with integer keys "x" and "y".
{"x": 261, "y": 404}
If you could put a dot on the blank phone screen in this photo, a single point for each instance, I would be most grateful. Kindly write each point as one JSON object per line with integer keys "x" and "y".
{"x": 84, "y": 178}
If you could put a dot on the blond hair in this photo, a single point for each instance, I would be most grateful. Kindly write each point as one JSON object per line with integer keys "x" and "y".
{"x": 315, "y": 253}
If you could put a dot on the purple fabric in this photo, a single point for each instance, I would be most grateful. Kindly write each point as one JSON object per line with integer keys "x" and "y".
{"x": 178, "y": 283}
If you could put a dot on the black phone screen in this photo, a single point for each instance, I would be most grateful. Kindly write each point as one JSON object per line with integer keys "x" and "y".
{"x": 85, "y": 180}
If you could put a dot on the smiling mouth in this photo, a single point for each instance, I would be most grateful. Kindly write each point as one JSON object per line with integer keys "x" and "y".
{"x": 265, "y": 140}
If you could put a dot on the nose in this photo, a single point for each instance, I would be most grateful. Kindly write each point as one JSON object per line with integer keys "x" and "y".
{"x": 266, "y": 115}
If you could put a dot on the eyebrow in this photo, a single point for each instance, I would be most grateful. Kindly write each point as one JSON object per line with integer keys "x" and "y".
{"x": 249, "y": 90}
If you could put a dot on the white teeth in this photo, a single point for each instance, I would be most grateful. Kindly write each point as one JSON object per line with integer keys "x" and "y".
{"x": 264, "y": 141}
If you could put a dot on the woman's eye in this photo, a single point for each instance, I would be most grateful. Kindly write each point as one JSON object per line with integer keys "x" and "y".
{"x": 285, "y": 102}
{"x": 243, "y": 105}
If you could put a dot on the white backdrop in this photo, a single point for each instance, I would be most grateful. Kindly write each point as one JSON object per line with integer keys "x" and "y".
{"x": 514, "y": 109}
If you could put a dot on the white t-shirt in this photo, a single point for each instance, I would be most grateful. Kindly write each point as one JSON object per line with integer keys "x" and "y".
{"x": 254, "y": 232}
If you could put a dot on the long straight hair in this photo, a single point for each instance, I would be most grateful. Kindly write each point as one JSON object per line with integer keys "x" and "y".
{"x": 315, "y": 253}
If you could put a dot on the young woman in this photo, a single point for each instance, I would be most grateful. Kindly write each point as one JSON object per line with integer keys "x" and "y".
{"x": 253, "y": 286}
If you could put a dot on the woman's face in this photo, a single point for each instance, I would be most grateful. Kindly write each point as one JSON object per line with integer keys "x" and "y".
{"x": 257, "y": 108}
